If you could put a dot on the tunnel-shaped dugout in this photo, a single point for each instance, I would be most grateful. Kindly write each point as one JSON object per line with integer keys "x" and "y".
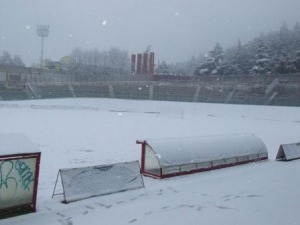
{"x": 167, "y": 157}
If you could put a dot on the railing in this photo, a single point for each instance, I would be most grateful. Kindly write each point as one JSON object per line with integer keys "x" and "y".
{"x": 260, "y": 90}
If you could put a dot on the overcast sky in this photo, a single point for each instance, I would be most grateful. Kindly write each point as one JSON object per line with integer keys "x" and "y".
{"x": 176, "y": 29}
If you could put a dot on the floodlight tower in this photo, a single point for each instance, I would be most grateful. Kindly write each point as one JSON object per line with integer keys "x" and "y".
{"x": 42, "y": 31}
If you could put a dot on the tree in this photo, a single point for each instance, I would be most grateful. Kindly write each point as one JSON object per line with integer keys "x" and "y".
{"x": 163, "y": 68}
{"x": 214, "y": 62}
{"x": 7, "y": 59}
{"x": 118, "y": 60}
{"x": 17, "y": 61}
{"x": 113, "y": 61}
{"x": 261, "y": 58}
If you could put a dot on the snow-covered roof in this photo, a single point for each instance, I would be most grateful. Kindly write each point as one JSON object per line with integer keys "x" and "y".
{"x": 171, "y": 151}
{"x": 289, "y": 151}
{"x": 16, "y": 143}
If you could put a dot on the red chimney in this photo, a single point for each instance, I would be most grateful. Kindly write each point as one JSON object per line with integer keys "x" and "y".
{"x": 133, "y": 59}
{"x": 151, "y": 63}
{"x": 145, "y": 63}
{"x": 139, "y": 64}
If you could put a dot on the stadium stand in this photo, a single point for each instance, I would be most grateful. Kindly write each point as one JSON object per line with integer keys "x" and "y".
{"x": 20, "y": 83}
{"x": 174, "y": 92}
{"x": 54, "y": 91}
{"x": 90, "y": 90}
{"x": 287, "y": 95}
{"x": 13, "y": 93}
{"x": 212, "y": 94}
{"x": 131, "y": 90}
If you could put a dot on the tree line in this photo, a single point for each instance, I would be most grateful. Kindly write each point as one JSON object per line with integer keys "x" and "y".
{"x": 113, "y": 61}
{"x": 275, "y": 53}
{"x": 7, "y": 59}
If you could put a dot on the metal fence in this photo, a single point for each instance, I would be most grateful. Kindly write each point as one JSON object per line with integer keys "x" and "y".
{"x": 18, "y": 84}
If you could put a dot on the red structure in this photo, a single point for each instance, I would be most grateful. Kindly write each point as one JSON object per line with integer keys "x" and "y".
{"x": 151, "y": 63}
{"x": 133, "y": 60}
{"x": 143, "y": 63}
{"x": 139, "y": 64}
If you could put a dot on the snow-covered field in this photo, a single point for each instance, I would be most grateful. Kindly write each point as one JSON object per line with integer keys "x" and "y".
{"x": 85, "y": 132}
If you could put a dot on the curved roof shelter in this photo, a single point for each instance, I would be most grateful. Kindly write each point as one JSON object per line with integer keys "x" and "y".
{"x": 168, "y": 157}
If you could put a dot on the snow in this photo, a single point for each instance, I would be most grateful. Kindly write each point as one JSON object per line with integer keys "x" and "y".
{"x": 289, "y": 151}
{"x": 179, "y": 151}
{"x": 86, "y": 132}
{"x": 86, "y": 182}
{"x": 16, "y": 143}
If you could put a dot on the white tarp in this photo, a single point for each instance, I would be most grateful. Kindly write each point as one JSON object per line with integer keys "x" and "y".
{"x": 171, "y": 151}
{"x": 86, "y": 182}
{"x": 288, "y": 152}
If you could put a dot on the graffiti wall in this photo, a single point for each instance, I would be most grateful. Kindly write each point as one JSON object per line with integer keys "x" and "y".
{"x": 17, "y": 182}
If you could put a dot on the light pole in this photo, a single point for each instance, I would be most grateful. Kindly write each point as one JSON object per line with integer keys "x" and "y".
{"x": 42, "y": 31}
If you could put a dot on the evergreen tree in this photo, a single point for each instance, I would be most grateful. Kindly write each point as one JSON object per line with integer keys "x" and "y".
{"x": 214, "y": 62}
{"x": 261, "y": 58}
{"x": 238, "y": 60}
{"x": 17, "y": 61}
{"x": 6, "y": 58}
{"x": 163, "y": 68}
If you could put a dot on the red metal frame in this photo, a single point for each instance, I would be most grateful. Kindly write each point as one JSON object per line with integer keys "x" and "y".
{"x": 162, "y": 176}
{"x": 29, "y": 207}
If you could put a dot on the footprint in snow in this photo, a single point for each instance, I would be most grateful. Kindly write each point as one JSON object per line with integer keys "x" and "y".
{"x": 103, "y": 205}
{"x": 253, "y": 196}
{"x": 89, "y": 207}
{"x": 132, "y": 221}
{"x": 222, "y": 207}
{"x": 60, "y": 214}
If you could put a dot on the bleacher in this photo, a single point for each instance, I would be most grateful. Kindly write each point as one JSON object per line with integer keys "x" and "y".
{"x": 212, "y": 94}
{"x": 91, "y": 90}
{"x": 131, "y": 90}
{"x": 16, "y": 93}
{"x": 54, "y": 91}
{"x": 249, "y": 95}
{"x": 184, "y": 93}
{"x": 283, "y": 90}
{"x": 287, "y": 95}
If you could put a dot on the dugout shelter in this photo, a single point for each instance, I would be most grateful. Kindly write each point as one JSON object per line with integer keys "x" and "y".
{"x": 168, "y": 157}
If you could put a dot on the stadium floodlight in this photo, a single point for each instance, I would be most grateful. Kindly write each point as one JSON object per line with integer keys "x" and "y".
{"x": 42, "y": 31}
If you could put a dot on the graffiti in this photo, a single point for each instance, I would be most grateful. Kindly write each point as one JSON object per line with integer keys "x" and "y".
{"x": 15, "y": 174}
{"x": 27, "y": 177}
{"x": 17, "y": 182}
{"x": 6, "y": 179}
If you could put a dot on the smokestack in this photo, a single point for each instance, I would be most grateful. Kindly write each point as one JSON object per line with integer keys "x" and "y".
{"x": 145, "y": 63}
{"x": 151, "y": 63}
{"x": 133, "y": 62}
{"x": 139, "y": 64}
